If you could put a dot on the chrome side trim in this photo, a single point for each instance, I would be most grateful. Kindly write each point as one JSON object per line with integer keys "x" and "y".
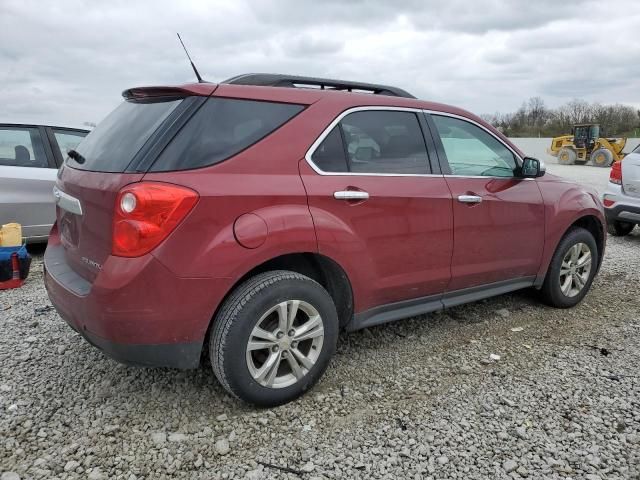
{"x": 336, "y": 120}
{"x": 67, "y": 202}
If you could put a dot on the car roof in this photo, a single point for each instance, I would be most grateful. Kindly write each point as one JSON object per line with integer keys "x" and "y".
{"x": 290, "y": 93}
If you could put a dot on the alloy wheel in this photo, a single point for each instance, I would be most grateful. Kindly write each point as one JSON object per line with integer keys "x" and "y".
{"x": 575, "y": 269}
{"x": 285, "y": 344}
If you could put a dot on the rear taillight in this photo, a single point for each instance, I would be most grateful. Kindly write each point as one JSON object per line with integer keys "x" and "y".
{"x": 616, "y": 173}
{"x": 145, "y": 213}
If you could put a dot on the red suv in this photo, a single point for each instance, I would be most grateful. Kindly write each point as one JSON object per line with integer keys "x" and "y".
{"x": 258, "y": 217}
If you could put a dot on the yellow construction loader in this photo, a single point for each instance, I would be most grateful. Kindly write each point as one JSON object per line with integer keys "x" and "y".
{"x": 585, "y": 144}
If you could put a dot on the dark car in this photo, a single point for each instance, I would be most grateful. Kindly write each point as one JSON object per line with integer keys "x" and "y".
{"x": 258, "y": 218}
{"x": 29, "y": 159}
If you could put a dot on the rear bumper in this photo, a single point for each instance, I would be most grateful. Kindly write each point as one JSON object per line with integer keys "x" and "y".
{"x": 625, "y": 207}
{"x": 136, "y": 310}
{"x": 171, "y": 355}
{"x": 624, "y": 213}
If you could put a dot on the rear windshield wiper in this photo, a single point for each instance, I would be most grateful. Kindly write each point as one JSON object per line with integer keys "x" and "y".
{"x": 76, "y": 156}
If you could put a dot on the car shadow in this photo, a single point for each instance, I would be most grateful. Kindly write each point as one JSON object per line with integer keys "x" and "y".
{"x": 197, "y": 393}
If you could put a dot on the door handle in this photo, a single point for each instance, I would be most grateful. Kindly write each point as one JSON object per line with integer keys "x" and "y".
{"x": 351, "y": 195}
{"x": 469, "y": 198}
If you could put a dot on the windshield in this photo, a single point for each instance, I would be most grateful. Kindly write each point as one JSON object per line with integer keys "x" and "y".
{"x": 111, "y": 146}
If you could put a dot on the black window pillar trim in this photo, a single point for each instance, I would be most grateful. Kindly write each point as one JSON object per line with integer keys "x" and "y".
{"x": 160, "y": 139}
{"x": 443, "y": 162}
{"x": 345, "y": 146}
{"x": 432, "y": 154}
{"x": 46, "y": 145}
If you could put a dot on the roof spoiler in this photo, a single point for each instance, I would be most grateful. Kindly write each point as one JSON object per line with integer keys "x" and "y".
{"x": 293, "y": 81}
{"x": 141, "y": 93}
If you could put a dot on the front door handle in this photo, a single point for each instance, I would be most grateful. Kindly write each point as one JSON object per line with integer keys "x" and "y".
{"x": 469, "y": 198}
{"x": 351, "y": 195}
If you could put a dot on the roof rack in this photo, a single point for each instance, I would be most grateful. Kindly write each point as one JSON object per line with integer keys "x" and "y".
{"x": 292, "y": 81}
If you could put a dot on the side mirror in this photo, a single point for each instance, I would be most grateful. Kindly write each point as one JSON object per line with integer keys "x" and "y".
{"x": 532, "y": 168}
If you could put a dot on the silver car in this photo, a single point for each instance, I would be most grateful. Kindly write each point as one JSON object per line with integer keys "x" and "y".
{"x": 29, "y": 159}
{"x": 622, "y": 198}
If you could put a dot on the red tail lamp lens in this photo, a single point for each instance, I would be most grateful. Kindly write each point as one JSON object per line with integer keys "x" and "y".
{"x": 616, "y": 173}
{"x": 146, "y": 213}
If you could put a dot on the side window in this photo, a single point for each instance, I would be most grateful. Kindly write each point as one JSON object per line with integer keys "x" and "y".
{"x": 471, "y": 151}
{"x": 68, "y": 140}
{"x": 329, "y": 156}
{"x": 222, "y": 128}
{"x": 381, "y": 141}
{"x": 22, "y": 147}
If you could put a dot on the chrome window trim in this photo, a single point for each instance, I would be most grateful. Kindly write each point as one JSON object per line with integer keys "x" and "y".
{"x": 337, "y": 120}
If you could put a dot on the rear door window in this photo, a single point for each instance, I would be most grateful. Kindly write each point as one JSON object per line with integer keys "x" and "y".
{"x": 375, "y": 142}
{"x": 111, "y": 146}
{"x": 67, "y": 139}
{"x": 385, "y": 142}
{"x": 330, "y": 156}
{"x": 22, "y": 147}
{"x": 220, "y": 129}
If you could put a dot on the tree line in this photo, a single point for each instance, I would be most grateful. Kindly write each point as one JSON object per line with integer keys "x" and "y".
{"x": 535, "y": 119}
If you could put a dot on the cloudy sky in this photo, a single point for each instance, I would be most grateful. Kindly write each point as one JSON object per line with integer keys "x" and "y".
{"x": 68, "y": 61}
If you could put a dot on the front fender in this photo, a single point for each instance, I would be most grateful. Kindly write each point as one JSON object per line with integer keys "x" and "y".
{"x": 566, "y": 204}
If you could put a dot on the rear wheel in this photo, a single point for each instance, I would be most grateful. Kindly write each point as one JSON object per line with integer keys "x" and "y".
{"x": 572, "y": 268}
{"x": 602, "y": 157}
{"x": 273, "y": 338}
{"x": 567, "y": 156}
{"x": 619, "y": 229}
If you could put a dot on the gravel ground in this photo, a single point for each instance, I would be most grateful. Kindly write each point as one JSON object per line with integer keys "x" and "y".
{"x": 420, "y": 398}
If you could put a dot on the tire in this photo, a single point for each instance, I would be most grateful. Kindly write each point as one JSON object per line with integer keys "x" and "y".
{"x": 601, "y": 157}
{"x": 567, "y": 156}
{"x": 618, "y": 228}
{"x": 552, "y": 292}
{"x": 256, "y": 302}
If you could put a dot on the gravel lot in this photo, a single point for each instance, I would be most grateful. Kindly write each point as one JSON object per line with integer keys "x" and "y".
{"x": 419, "y": 398}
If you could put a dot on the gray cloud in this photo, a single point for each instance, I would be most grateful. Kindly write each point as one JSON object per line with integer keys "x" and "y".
{"x": 68, "y": 61}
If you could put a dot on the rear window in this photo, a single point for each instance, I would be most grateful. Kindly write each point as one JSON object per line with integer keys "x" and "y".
{"x": 221, "y": 128}
{"x": 111, "y": 146}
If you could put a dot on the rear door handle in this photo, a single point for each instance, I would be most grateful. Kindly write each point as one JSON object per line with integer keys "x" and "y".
{"x": 469, "y": 198}
{"x": 351, "y": 195}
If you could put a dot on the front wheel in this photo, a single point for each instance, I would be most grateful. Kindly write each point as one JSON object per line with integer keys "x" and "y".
{"x": 567, "y": 156}
{"x": 572, "y": 268}
{"x": 619, "y": 229}
{"x": 273, "y": 338}
{"x": 602, "y": 157}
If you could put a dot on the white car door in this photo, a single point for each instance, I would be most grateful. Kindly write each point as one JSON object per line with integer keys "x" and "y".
{"x": 27, "y": 176}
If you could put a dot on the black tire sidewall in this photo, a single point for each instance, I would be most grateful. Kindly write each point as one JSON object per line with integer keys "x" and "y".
{"x": 237, "y": 373}
{"x": 551, "y": 287}
{"x": 572, "y": 156}
{"x": 618, "y": 228}
{"x": 607, "y": 155}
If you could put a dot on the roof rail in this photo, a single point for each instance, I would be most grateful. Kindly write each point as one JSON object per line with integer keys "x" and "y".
{"x": 292, "y": 81}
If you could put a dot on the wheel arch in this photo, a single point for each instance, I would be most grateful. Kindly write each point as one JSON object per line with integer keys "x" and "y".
{"x": 590, "y": 222}
{"x": 324, "y": 270}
